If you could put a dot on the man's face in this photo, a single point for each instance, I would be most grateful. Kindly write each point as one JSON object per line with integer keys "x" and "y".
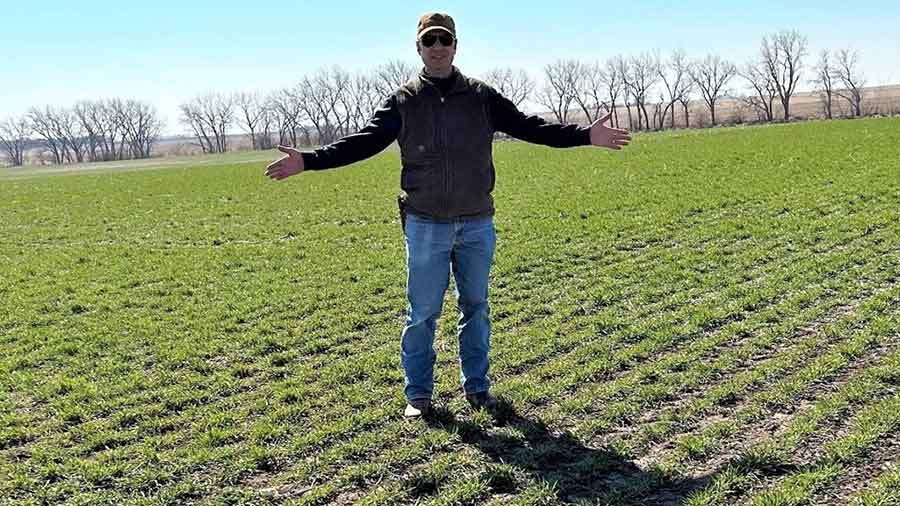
{"x": 437, "y": 57}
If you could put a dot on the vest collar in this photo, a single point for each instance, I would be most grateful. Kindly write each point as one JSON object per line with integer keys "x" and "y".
{"x": 461, "y": 83}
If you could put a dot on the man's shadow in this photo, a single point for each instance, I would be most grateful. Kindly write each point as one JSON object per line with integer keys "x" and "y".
{"x": 574, "y": 471}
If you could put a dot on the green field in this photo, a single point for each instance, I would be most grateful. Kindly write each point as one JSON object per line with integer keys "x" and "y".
{"x": 706, "y": 318}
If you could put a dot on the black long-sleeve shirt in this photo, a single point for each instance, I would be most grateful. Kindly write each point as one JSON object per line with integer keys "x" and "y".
{"x": 384, "y": 127}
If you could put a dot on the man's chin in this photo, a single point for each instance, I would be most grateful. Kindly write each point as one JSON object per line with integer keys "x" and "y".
{"x": 439, "y": 69}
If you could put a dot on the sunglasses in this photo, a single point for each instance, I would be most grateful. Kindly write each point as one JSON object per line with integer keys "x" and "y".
{"x": 429, "y": 39}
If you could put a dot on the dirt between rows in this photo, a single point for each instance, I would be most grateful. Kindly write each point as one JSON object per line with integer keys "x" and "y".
{"x": 880, "y": 460}
{"x": 768, "y": 428}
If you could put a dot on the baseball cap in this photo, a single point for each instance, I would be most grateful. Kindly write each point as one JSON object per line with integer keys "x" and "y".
{"x": 435, "y": 21}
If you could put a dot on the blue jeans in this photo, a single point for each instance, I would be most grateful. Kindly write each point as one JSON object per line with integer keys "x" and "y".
{"x": 432, "y": 250}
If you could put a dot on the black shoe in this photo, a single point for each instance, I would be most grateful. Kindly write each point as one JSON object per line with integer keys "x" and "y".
{"x": 417, "y": 408}
{"x": 481, "y": 400}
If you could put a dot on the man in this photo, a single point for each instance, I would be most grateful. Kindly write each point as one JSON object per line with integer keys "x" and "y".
{"x": 444, "y": 123}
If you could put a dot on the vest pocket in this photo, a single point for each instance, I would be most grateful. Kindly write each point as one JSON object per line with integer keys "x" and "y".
{"x": 416, "y": 176}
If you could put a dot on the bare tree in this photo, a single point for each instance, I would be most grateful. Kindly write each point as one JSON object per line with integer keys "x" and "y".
{"x": 59, "y": 126}
{"x": 711, "y": 74}
{"x": 642, "y": 76}
{"x": 659, "y": 112}
{"x": 250, "y": 113}
{"x": 763, "y": 90}
{"x": 288, "y": 114}
{"x": 339, "y": 82}
{"x": 209, "y": 116}
{"x": 191, "y": 116}
{"x": 141, "y": 126}
{"x": 221, "y": 113}
{"x": 98, "y": 130}
{"x": 685, "y": 102}
{"x": 70, "y": 130}
{"x": 322, "y": 100}
{"x": 676, "y": 77}
{"x": 14, "y": 134}
{"x": 331, "y": 100}
{"x": 364, "y": 99}
{"x": 44, "y": 124}
{"x": 87, "y": 115}
{"x": 266, "y": 122}
{"x": 782, "y": 57}
{"x": 591, "y": 91}
{"x": 823, "y": 81}
{"x": 852, "y": 81}
{"x": 314, "y": 99}
{"x": 514, "y": 85}
{"x": 95, "y": 130}
{"x": 612, "y": 80}
{"x": 561, "y": 87}
{"x": 112, "y": 133}
{"x": 392, "y": 75}
{"x": 623, "y": 67}
{"x": 116, "y": 129}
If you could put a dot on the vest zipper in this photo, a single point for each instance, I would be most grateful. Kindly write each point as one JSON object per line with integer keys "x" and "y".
{"x": 444, "y": 159}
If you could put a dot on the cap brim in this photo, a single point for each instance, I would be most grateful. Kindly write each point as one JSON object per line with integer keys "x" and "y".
{"x": 433, "y": 28}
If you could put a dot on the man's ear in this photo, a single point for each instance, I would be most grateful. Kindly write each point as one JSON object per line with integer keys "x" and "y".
{"x": 418, "y": 47}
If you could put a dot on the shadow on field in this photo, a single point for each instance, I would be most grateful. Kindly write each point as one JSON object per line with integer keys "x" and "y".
{"x": 577, "y": 472}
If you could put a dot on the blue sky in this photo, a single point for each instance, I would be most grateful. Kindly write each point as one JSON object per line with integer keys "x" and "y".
{"x": 166, "y": 52}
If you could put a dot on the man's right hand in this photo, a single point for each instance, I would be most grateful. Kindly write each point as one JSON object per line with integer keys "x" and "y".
{"x": 287, "y": 165}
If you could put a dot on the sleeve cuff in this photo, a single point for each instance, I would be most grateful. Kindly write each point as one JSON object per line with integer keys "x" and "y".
{"x": 311, "y": 161}
{"x": 584, "y": 135}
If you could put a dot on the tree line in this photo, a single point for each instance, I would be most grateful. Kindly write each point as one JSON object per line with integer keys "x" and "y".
{"x": 89, "y": 131}
{"x": 643, "y": 92}
{"x": 650, "y": 88}
{"x": 319, "y": 108}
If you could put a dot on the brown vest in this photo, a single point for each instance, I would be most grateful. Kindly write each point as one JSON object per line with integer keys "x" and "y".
{"x": 445, "y": 148}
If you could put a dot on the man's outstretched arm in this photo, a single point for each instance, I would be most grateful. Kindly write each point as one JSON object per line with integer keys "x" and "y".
{"x": 378, "y": 133}
{"x": 507, "y": 118}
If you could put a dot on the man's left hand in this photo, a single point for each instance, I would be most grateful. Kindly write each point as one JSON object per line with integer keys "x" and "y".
{"x": 607, "y": 137}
